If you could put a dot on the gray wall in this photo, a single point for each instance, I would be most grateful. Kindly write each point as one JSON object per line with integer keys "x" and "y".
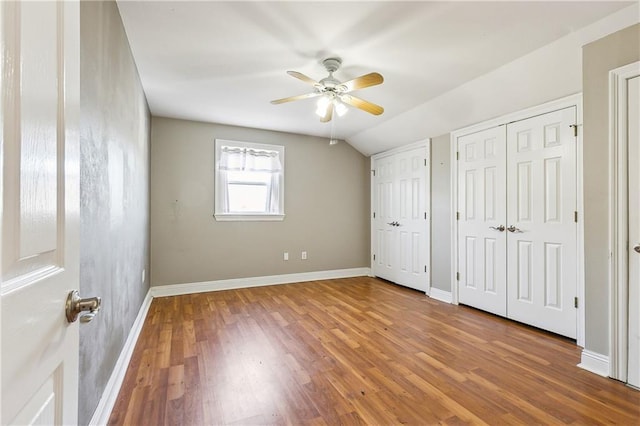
{"x": 326, "y": 205}
{"x": 114, "y": 191}
{"x": 599, "y": 57}
{"x": 441, "y": 212}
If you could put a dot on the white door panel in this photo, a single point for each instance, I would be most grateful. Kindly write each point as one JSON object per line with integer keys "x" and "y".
{"x": 400, "y": 237}
{"x": 481, "y": 205}
{"x": 39, "y": 230}
{"x": 541, "y": 203}
{"x": 411, "y": 218}
{"x": 385, "y": 235}
{"x": 633, "y": 117}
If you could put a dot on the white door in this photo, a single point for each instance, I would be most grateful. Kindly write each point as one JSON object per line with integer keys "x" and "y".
{"x": 542, "y": 231}
{"x": 482, "y": 220}
{"x": 384, "y": 238}
{"x": 400, "y": 241}
{"x": 411, "y": 219}
{"x": 39, "y": 232}
{"x": 633, "y": 117}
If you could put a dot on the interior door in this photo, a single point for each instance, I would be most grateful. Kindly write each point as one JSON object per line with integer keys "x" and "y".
{"x": 400, "y": 239}
{"x": 39, "y": 230}
{"x": 384, "y": 262}
{"x": 633, "y": 122}
{"x": 482, "y": 220}
{"x": 542, "y": 231}
{"x": 411, "y": 218}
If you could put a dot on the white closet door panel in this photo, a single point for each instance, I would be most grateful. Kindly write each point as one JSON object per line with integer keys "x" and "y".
{"x": 384, "y": 264}
{"x": 412, "y": 223}
{"x": 481, "y": 205}
{"x": 541, "y": 194}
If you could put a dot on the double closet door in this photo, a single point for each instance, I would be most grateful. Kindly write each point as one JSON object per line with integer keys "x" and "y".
{"x": 400, "y": 227}
{"x": 517, "y": 230}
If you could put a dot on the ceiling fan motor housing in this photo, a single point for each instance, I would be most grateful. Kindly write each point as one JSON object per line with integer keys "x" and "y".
{"x": 332, "y": 64}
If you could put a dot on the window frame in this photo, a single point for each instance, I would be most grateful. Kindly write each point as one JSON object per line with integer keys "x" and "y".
{"x": 220, "y": 191}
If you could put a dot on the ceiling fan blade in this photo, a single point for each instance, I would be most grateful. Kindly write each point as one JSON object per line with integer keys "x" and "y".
{"x": 368, "y": 80}
{"x": 362, "y": 104}
{"x": 328, "y": 115}
{"x": 296, "y": 98}
{"x": 304, "y": 78}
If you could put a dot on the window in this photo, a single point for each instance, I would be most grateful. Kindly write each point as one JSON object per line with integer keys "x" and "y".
{"x": 249, "y": 181}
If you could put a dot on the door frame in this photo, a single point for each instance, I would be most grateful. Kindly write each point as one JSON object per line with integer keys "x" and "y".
{"x": 426, "y": 144}
{"x": 618, "y": 218}
{"x": 565, "y": 102}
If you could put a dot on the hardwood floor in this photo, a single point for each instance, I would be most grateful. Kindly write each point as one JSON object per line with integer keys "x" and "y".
{"x": 354, "y": 351}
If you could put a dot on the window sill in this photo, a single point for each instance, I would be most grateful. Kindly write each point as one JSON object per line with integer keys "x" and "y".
{"x": 229, "y": 217}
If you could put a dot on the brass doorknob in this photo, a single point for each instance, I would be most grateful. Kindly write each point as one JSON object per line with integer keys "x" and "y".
{"x": 636, "y": 248}
{"x": 75, "y": 306}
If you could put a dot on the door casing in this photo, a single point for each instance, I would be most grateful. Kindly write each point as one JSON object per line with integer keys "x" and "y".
{"x": 618, "y": 219}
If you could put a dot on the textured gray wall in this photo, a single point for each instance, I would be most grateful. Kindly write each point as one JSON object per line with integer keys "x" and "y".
{"x": 114, "y": 192}
{"x": 326, "y": 205}
{"x": 441, "y": 212}
{"x": 599, "y": 57}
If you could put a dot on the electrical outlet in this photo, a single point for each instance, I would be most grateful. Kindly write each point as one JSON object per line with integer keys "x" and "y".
{"x": 303, "y": 256}
{"x": 286, "y": 255}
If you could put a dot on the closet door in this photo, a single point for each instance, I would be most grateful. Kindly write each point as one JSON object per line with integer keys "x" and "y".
{"x": 482, "y": 220}
{"x": 384, "y": 211}
{"x": 542, "y": 232}
{"x": 400, "y": 225}
{"x": 411, "y": 219}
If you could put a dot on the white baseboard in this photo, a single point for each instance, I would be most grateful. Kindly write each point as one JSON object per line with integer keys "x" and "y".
{"x": 110, "y": 394}
{"x": 235, "y": 283}
{"x": 441, "y": 295}
{"x": 595, "y": 363}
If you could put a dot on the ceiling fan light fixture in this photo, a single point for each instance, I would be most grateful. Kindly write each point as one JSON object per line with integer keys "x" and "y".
{"x": 322, "y": 105}
{"x": 340, "y": 108}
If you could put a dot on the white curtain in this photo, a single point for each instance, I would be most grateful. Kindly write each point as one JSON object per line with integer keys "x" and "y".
{"x": 251, "y": 160}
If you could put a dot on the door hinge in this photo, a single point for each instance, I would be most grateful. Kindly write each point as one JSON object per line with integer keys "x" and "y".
{"x": 425, "y": 161}
{"x": 374, "y": 257}
{"x": 575, "y": 217}
{"x": 457, "y": 276}
{"x": 575, "y": 129}
{"x": 457, "y": 155}
{"x": 374, "y": 172}
{"x": 374, "y": 215}
{"x": 575, "y": 302}
{"x": 457, "y": 215}
{"x": 425, "y": 215}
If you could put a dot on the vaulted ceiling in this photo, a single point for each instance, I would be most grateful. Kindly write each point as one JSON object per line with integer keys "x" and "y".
{"x": 223, "y": 62}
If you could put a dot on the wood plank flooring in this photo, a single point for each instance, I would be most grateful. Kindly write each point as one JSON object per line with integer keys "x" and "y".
{"x": 354, "y": 351}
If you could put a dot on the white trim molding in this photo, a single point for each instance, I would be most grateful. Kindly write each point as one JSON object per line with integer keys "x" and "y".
{"x": 595, "y": 363}
{"x": 235, "y": 283}
{"x": 441, "y": 295}
{"x": 618, "y": 219}
{"x": 111, "y": 391}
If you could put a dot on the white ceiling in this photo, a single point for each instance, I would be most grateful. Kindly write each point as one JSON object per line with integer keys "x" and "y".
{"x": 223, "y": 62}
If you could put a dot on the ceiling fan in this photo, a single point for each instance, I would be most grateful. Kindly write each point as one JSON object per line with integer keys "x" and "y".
{"x": 333, "y": 94}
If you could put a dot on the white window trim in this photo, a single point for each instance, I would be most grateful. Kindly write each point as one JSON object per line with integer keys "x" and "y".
{"x": 228, "y": 217}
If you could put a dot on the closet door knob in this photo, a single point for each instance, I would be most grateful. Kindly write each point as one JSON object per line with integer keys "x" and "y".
{"x": 514, "y": 229}
{"x": 636, "y": 248}
{"x": 500, "y": 228}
